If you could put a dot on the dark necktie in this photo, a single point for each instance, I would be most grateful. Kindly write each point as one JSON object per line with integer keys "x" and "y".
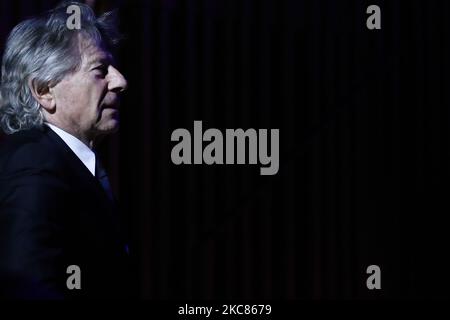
{"x": 102, "y": 177}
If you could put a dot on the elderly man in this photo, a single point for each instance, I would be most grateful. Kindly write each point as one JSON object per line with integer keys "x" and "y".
{"x": 60, "y": 235}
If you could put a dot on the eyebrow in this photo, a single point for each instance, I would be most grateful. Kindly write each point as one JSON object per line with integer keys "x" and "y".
{"x": 100, "y": 59}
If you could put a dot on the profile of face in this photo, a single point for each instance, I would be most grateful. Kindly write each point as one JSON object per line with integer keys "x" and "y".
{"x": 85, "y": 103}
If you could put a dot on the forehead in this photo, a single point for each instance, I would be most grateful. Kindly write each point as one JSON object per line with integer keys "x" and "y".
{"x": 93, "y": 52}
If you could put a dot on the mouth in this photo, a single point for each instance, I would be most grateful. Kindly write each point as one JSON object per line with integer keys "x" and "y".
{"x": 114, "y": 106}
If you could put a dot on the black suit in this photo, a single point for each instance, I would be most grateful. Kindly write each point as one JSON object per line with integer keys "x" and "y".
{"x": 54, "y": 213}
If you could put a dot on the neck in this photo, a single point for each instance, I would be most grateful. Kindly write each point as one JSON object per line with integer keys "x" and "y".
{"x": 82, "y": 137}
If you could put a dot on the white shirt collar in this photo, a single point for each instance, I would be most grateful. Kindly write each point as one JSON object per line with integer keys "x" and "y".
{"x": 82, "y": 151}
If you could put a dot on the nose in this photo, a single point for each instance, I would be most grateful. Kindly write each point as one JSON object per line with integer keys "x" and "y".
{"x": 117, "y": 82}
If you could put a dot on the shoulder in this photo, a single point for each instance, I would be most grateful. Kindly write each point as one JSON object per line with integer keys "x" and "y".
{"x": 27, "y": 150}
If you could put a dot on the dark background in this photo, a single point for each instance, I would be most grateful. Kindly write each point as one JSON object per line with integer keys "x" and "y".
{"x": 364, "y": 146}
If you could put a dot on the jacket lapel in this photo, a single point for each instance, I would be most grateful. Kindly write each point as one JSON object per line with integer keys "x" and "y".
{"x": 78, "y": 170}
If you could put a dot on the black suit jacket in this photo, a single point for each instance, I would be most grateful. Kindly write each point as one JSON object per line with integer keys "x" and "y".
{"x": 53, "y": 214}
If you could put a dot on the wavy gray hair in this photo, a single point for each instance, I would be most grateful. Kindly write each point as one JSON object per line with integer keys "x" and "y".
{"x": 43, "y": 50}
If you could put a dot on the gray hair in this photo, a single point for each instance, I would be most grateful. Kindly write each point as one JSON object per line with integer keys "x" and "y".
{"x": 43, "y": 50}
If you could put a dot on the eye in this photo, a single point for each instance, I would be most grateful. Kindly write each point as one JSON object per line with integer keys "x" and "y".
{"x": 101, "y": 70}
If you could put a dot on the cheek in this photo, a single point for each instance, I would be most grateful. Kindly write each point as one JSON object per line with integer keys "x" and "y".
{"x": 84, "y": 100}
{"x": 69, "y": 95}
{"x": 80, "y": 98}
{"x": 94, "y": 95}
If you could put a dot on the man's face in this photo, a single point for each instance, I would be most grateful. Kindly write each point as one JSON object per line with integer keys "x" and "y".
{"x": 87, "y": 100}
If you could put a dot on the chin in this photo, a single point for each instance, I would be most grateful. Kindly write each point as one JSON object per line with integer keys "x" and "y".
{"x": 110, "y": 124}
{"x": 111, "y": 127}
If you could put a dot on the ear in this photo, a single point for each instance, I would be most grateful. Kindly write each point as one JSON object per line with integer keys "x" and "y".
{"x": 43, "y": 95}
